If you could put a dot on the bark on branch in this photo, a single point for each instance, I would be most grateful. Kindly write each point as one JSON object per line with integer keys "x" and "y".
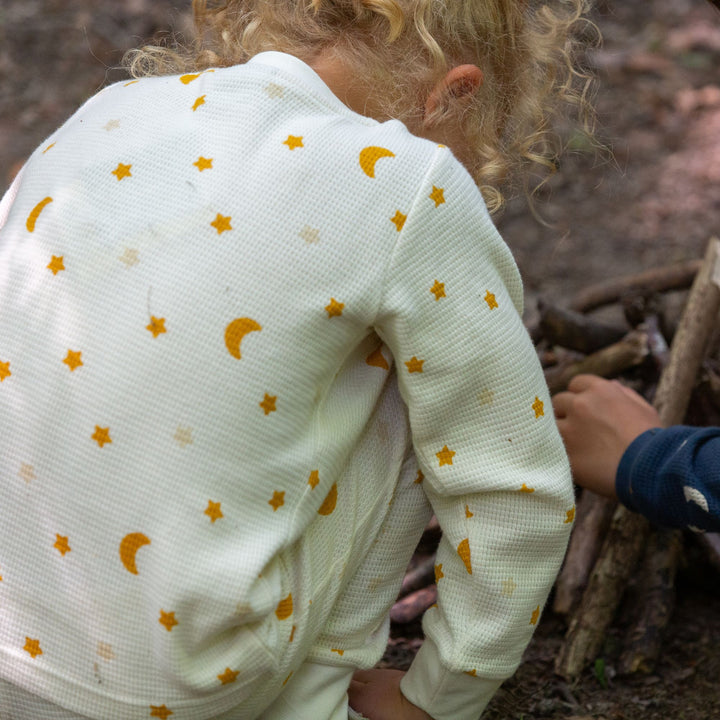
{"x": 662, "y": 279}
{"x": 608, "y": 362}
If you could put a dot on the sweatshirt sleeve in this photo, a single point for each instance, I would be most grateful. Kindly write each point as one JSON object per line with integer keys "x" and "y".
{"x": 672, "y": 476}
{"x": 493, "y": 465}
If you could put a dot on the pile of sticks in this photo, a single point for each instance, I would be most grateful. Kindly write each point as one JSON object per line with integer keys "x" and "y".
{"x": 675, "y": 363}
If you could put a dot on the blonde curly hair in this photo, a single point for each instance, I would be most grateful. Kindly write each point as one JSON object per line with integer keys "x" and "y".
{"x": 528, "y": 51}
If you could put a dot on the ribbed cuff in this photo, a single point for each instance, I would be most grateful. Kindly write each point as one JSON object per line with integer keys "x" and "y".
{"x": 446, "y": 695}
{"x": 627, "y": 468}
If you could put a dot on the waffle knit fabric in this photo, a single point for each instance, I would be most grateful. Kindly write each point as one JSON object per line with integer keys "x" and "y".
{"x": 248, "y": 340}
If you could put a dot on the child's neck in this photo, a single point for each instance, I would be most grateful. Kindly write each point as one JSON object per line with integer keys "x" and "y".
{"x": 346, "y": 84}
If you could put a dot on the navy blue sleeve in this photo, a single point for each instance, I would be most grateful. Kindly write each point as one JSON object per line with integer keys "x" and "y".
{"x": 672, "y": 476}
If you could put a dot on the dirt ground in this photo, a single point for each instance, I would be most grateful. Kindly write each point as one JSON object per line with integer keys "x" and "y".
{"x": 656, "y": 201}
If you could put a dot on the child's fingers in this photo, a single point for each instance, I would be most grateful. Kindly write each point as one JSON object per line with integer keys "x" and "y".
{"x": 561, "y": 403}
{"x": 583, "y": 382}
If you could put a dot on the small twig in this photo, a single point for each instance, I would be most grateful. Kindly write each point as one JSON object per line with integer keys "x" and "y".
{"x": 414, "y": 605}
{"x": 419, "y": 577}
{"x": 575, "y": 331}
{"x": 662, "y": 279}
{"x": 608, "y": 362}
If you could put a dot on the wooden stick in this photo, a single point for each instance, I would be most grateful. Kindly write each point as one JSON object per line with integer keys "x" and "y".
{"x": 691, "y": 339}
{"x": 414, "y": 605}
{"x": 656, "y": 603}
{"x": 710, "y": 543}
{"x": 422, "y": 575}
{"x": 628, "y": 530}
{"x": 662, "y": 279}
{"x": 608, "y": 362}
{"x": 593, "y": 517}
{"x": 574, "y": 330}
{"x": 589, "y": 624}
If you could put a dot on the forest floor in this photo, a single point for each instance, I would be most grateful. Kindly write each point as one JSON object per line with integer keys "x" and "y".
{"x": 653, "y": 201}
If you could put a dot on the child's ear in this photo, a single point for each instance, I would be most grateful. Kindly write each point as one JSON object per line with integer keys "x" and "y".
{"x": 461, "y": 82}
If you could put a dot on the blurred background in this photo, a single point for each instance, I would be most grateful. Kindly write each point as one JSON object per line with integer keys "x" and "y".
{"x": 654, "y": 201}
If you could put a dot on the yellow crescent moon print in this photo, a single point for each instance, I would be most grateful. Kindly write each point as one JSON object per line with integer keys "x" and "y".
{"x": 329, "y": 502}
{"x": 129, "y": 546}
{"x": 370, "y": 155}
{"x": 35, "y": 214}
{"x": 236, "y": 331}
{"x": 285, "y": 608}
{"x": 187, "y": 79}
{"x": 463, "y": 550}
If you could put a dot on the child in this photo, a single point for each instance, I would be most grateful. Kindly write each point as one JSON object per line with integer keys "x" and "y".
{"x": 618, "y": 449}
{"x": 253, "y": 333}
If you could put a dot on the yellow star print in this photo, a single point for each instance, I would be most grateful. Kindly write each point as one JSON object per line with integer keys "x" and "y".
{"x": 101, "y": 435}
{"x": 168, "y": 620}
{"x": 334, "y": 308}
{"x": 61, "y": 544}
{"x": 27, "y": 472}
{"x": 73, "y": 360}
{"x": 105, "y": 651}
{"x": 437, "y": 196}
{"x": 56, "y": 264}
{"x": 569, "y": 515}
{"x": 377, "y": 359}
{"x": 445, "y": 456}
{"x": 486, "y": 397}
{"x": 438, "y": 573}
{"x": 490, "y": 300}
{"x": 538, "y": 406}
{"x": 274, "y": 90}
{"x": 468, "y": 512}
{"x": 526, "y": 489}
{"x": 4, "y": 371}
{"x": 438, "y": 290}
{"x": 535, "y": 616}
{"x": 203, "y": 163}
{"x": 183, "y": 436}
{"x": 122, "y": 171}
{"x": 213, "y": 511}
{"x": 310, "y": 235}
{"x": 156, "y": 326}
{"x": 229, "y": 676}
{"x": 399, "y": 220}
{"x": 314, "y": 479}
{"x": 222, "y": 223}
{"x": 508, "y": 587}
{"x": 294, "y": 141}
{"x": 198, "y": 102}
{"x": 160, "y": 711}
{"x": 32, "y": 647}
{"x": 420, "y": 477}
{"x": 277, "y": 500}
{"x": 414, "y": 365}
{"x": 129, "y": 257}
{"x": 268, "y": 404}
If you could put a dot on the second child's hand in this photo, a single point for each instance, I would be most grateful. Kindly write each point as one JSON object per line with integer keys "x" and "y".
{"x": 598, "y": 419}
